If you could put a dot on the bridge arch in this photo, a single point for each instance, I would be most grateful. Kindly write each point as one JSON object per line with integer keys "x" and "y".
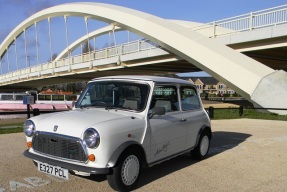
{"x": 109, "y": 28}
{"x": 84, "y": 38}
{"x": 240, "y": 72}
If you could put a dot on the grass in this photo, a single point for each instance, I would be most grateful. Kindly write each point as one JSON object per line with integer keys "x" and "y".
{"x": 17, "y": 128}
{"x": 233, "y": 113}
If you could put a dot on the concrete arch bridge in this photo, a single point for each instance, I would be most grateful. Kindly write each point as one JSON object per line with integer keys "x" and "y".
{"x": 165, "y": 47}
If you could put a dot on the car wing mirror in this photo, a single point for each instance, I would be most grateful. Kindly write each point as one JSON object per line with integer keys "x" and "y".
{"x": 157, "y": 111}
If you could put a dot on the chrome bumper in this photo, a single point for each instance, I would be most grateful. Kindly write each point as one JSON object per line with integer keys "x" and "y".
{"x": 68, "y": 166}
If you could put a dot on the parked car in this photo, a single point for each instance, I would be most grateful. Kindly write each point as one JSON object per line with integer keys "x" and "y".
{"x": 119, "y": 125}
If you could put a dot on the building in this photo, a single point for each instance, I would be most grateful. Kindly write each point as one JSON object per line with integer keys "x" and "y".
{"x": 211, "y": 86}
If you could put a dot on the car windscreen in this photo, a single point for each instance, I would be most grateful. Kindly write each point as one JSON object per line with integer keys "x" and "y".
{"x": 115, "y": 94}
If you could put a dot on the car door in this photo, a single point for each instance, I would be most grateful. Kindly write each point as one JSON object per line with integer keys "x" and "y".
{"x": 192, "y": 113}
{"x": 168, "y": 133}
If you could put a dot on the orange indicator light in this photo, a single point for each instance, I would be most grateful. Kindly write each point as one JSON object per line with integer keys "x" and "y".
{"x": 92, "y": 157}
{"x": 29, "y": 144}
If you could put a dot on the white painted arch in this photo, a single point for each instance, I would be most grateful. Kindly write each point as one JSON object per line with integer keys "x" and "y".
{"x": 236, "y": 70}
{"x": 109, "y": 28}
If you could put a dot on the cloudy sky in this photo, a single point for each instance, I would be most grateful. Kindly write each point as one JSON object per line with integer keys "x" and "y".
{"x": 13, "y": 12}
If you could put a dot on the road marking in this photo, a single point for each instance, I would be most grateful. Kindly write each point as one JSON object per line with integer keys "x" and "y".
{"x": 14, "y": 185}
{"x": 33, "y": 182}
{"x": 2, "y": 189}
{"x": 37, "y": 181}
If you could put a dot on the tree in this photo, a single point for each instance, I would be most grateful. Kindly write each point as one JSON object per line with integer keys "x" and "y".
{"x": 87, "y": 47}
{"x": 54, "y": 56}
{"x": 108, "y": 45}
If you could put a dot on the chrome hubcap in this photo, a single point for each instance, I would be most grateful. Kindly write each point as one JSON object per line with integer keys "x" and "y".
{"x": 130, "y": 170}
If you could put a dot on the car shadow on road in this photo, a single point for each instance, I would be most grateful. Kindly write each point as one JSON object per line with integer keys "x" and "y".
{"x": 223, "y": 141}
{"x": 97, "y": 178}
{"x": 220, "y": 143}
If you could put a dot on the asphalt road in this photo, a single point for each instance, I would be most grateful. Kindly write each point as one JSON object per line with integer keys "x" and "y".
{"x": 245, "y": 155}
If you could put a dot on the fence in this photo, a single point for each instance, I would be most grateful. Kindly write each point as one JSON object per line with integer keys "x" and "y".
{"x": 211, "y": 110}
{"x": 35, "y": 112}
{"x": 253, "y": 20}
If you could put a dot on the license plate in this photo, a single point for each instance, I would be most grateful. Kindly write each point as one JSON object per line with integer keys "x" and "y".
{"x": 53, "y": 170}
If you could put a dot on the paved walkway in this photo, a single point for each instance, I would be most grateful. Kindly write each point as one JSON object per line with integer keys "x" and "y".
{"x": 245, "y": 155}
{"x": 11, "y": 121}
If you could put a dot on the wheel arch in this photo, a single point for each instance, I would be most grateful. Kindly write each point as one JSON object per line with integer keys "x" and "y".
{"x": 203, "y": 128}
{"x": 125, "y": 147}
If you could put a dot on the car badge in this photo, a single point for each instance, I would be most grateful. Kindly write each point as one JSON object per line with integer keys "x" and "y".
{"x": 55, "y": 128}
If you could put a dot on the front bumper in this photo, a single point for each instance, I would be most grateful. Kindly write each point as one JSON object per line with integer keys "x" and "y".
{"x": 66, "y": 165}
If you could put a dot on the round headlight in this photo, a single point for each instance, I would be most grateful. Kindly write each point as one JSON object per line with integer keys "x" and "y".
{"x": 29, "y": 128}
{"x": 92, "y": 138}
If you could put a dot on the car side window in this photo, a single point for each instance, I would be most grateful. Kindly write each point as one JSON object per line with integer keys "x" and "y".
{"x": 165, "y": 96}
{"x": 189, "y": 98}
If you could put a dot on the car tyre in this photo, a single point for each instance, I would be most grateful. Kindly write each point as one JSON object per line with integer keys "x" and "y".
{"x": 202, "y": 148}
{"x": 127, "y": 172}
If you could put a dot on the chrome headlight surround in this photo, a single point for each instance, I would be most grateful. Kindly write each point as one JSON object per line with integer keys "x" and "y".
{"x": 29, "y": 128}
{"x": 91, "y": 138}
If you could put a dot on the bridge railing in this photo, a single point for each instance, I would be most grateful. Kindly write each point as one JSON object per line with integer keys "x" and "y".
{"x": 123, "y": 49}
{"x": 253, "y": 20}
{"x": 109, "y": 52}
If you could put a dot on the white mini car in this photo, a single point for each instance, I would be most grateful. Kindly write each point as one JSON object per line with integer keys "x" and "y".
{"x": 119, "y": 125}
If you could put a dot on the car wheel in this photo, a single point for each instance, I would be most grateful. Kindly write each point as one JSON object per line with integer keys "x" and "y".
{"x": 126, "y": 174}
{"x": 201, "y": 150}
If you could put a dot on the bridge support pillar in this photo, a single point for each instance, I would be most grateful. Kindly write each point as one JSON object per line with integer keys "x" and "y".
{"x": 271, "y": 92}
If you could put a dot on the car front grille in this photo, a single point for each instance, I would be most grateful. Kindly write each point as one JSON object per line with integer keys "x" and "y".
{"x": 59, "y": 146}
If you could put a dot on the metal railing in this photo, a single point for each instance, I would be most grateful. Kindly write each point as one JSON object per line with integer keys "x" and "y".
{"x": 253, "y": 20}
{"x": 109, "y": 52}
{"x": 123, "y": 49}
{"x": 211, "y": 110}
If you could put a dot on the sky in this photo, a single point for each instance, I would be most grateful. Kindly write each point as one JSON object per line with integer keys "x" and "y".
{"x": 13, "y": 12}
